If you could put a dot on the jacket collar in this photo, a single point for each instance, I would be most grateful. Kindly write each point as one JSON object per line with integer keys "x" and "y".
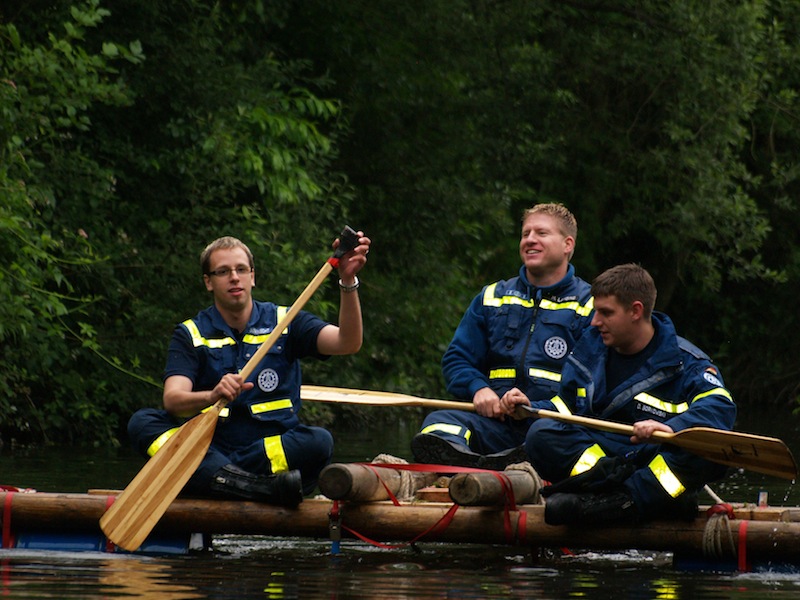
{"x": 565, "y": 281}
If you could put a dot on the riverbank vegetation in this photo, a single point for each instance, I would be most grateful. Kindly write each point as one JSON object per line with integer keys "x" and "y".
{"x": 134, "y": 132}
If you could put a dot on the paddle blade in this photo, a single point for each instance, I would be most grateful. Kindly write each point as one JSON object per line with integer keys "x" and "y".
{"x": 745, "y": 450}
{"x": 139, "y": 507}
{"x": 754, "y": 452}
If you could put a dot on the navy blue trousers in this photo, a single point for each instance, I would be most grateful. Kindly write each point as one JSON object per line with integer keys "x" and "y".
{"x": 241, "y": 442}
{"x": 483, "y": 435}
{"x": 553, "y": 448}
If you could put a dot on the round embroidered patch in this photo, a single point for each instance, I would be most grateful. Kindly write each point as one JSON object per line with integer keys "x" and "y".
{"x": 267, "y": 380}
{"x": 556, "y": 347}
{"x": 711, "y": 379}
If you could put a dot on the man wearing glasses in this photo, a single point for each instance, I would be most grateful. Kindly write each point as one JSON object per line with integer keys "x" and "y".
{"x": 260, "y": 450}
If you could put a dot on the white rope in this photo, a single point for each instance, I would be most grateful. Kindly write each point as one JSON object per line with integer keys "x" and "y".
{"x": 410, "y": 481}
{"x": 536, "y": 497}
{"x": 716, "y": 532}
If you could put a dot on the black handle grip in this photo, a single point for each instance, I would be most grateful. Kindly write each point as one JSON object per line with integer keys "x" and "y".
{"x": 348, "y": 240}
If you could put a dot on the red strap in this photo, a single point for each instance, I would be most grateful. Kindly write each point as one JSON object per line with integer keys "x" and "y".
{"x": 522, "y": 527}
{"x": 721, "y": 508}
{"x": 510, "y": 504}
{"x": 437, "y": 527}
{"x": 394, "y": 500}
{"x": 8, "y": 538}
{"x": 743, "y": 566}
{"x": 426, "y": 468}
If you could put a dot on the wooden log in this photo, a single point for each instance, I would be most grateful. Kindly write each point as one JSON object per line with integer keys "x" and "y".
{"x": 766, "y": 540}
{"x": 487, "y": 489}
{"x": 359, "y": 483}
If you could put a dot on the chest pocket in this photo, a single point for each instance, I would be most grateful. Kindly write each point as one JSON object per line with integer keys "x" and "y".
{"x": 513, "y": 322}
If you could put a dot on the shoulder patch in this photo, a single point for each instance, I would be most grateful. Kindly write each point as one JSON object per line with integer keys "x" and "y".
{"x": 711, "y": 376}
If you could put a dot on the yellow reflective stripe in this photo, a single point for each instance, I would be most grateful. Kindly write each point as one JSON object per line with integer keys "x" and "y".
{"x": 581, "y": 392}
{"x": 276, "y": 455}
{"x": 490, "y": 300}
{"x": 225, "y": 412}
{"x": 560, "y": 405}
{"x": 661, "y": 404}
{"x": 666, "y": 477}
{"x": 542, "y": 374}
{"x": 263, "y": 407}
{"x": 502, "y": 374}
{"x": 587, "y": 460}
{"x": 447, "y": 428}
{"x": 583, "y": 311}
{"x": 199, "y": 340}
{"x": 282, "y": 310}
{"x": 255, "y": 339}
{"x": 260, "y": 339}
{"x": 716, "y": 391}
{"x": 160, "y": 441}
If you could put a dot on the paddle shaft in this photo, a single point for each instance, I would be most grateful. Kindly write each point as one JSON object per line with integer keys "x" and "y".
{"x": 287, "y": 318}
{"x": 732, "y": 448}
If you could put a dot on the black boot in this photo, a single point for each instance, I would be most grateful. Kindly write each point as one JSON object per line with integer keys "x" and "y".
{"x": 284, "y": 488}
{"x": 590, "y": 509}
{"x": 432, "y": 449}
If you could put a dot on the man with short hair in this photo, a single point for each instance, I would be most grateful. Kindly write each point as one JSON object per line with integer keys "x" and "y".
{"x": 260, "y": 449}
{"x": 511, "y": 344}
{"x": 630, "y": 367}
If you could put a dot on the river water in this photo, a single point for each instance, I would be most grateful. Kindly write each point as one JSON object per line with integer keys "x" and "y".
{"x": 245, "y": 567}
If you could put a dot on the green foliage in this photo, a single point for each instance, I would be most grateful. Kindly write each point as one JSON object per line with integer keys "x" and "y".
{"x": 45, "y": 91}
{"x": 639, "y": 116}
{"x": 133, "y": 133}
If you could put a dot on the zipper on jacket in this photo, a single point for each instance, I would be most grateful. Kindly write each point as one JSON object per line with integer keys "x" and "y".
{"x": 521, "y": 374}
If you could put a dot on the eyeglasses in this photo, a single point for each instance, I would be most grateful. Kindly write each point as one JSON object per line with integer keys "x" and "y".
{"x": 241, "y": 271}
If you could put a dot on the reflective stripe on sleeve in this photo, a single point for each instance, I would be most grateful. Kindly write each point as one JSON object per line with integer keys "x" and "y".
{"x": 715, "y": 392}
{"x": 587, "y": 460}
{"x": 666, "y": 478}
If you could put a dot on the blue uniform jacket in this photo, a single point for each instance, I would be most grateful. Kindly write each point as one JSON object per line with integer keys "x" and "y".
{"x": 205, "y": 348}
{"x": 679, "y": 385}
{"x": 517, "y": 335}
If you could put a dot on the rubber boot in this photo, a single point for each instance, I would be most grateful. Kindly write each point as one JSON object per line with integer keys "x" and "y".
{"x": 432, "y": 449}
{"x": 590, "y": 509}
{"x": 284, "y": 488}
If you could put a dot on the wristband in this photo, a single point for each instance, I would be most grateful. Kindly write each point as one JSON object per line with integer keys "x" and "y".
{"x": 350, "y": 288}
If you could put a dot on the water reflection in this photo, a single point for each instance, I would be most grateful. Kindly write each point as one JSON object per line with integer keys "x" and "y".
{"x": 132, "y": 577}
{"x": 43, "y": 574}
{"x": 245, "y": 567}
{"x": 242, "y": 567}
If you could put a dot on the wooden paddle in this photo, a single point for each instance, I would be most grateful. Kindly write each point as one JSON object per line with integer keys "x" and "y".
{"x": 139, "y": 507}
{"x": 754, "y": 452}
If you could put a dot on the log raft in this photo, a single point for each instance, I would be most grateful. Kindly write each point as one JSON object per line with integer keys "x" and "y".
{"x": 770, "y": 534}
{"x": 357, "y": 498}
{"x": 489, "y": 489}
